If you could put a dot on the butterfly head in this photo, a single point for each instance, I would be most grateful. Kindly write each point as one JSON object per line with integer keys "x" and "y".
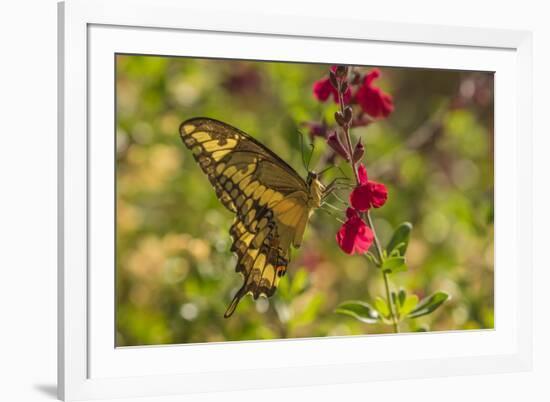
{"x": 311, "y": 177}
{"x": 316, "y": 189}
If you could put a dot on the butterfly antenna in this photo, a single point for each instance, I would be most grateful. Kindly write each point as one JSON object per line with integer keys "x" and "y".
{"x": 325, "y": 170}
{"x": 312, "y": 145}
{"x": 302, "y": 150}
{"x": 342, "y": 171}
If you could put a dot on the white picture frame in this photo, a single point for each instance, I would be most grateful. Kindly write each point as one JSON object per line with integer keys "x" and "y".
{"x": 91, "y": 32}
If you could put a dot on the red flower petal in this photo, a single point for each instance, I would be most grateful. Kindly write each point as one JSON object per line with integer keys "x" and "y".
{"x": 368, "y": 194}
{"x": 360, "y": 198}
{"x": 372, "y": 75}
{"x": 378, "y": 193}
{"x": 322, "y": 89}
{"x": 372, "y": 100}
{"x": 362, "y": 173}
{"x": 354, "y": 236}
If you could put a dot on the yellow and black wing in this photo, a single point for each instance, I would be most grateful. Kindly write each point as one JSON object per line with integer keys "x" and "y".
{"x": 269, "y": 198}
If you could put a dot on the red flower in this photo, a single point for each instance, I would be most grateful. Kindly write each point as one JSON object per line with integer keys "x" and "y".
{"x": 373, "y": 101}
{"x": 369, "y": 193}
{"x": 354, "y": 236}
{"x": 323, "y": 89}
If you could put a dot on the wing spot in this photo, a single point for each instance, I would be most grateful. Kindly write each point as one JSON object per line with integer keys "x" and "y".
{"x": 189, "y": 141}
{"x": 201, "y": 136}
{"x": 275, "y": 199}
{"x": 240, "y": 200}
{"x": 244, "y": 182}
{"x": 214, "y": 145}
{"x": 246, "y": 238}
{"x": 260, "y": 262}
{"x": 187, "y": 128}
{"x": 228, "y": 185}
{"x": 250, "y": 189}
{"x": 230, "y": 171}
{"x": 266, "y": 196}
{"x": 249, "y": 217}
{"x": 262, "y": 223}
{"x": 244, "y": 172}
{"x": 218, "y": 155}
{"x": 204, "y": 161}
{"x": 247, "y": 205}
{"x": 197, "y": 150}
{"x": 260, "y": 237}
{"x": 258, "y": 192}
{"x": 220, "y": 168}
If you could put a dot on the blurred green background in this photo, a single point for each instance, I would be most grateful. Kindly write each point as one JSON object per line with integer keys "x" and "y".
{"x": 174, "y": 272}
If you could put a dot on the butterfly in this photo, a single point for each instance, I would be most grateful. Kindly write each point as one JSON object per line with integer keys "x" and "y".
{"x": 272, "y": 203}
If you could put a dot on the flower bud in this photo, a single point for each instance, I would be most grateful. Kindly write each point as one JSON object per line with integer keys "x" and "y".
{"x": 356, "y": 78}
{"x": 334, "y": 142}
{"x": 340, "y": 119}
{"x": 315, "y": 128}
{"x": 358, "y": 152}
{"x": 341, "y": 72}
{"x": 348, "y": 114}
{"x": 332, "y": 79}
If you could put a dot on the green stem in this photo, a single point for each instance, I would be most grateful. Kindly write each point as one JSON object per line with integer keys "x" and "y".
{"x": 390, "y": 302}
{"x": 366, "y": 215}
{"x": 385, "y": 275}
{"x": 376, "y": 241}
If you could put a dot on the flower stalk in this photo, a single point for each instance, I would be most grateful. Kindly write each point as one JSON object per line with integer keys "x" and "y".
{"x": 348, "y": 87}
{"x": 345, "y": 123}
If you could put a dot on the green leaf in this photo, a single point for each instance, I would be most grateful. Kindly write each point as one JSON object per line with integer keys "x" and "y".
{"x": 402, "y": 296}
{"x": 370, "y": 256}
{"x": 394, "y": 298}
{"x": 394, "y": 264}
{"x": 382, "y": 306}
{"x": 400, "y": 239}
{"x": 359, "y": 310}
{"x": 300, "y": 282}
{"x": 429, "y": 304}
{"x": 409, "y": 304}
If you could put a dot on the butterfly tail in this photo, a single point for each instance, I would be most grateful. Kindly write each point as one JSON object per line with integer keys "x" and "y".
{"x": 234, "y": 303}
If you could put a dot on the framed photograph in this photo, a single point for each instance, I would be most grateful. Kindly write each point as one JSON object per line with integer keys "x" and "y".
{"x": 263, "y": 201}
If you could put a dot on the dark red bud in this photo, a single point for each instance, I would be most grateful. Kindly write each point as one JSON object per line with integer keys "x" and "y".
{"x": 332, "y": 79}
{"x": 356, "y": 78}
{"x": 358, "y": 152}
{"x": 341, "y": 72}
{"x": 334, "y": 142}
{"x": 340, "y": 119}
{"x": 348, "y": 114}
{"x": 315, "y": 128}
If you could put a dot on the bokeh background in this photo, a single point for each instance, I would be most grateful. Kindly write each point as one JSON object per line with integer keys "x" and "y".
{"x": 174, "y": 272}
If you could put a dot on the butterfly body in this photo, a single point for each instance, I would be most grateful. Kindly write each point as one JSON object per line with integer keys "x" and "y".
{"x": 271, "y": 202}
